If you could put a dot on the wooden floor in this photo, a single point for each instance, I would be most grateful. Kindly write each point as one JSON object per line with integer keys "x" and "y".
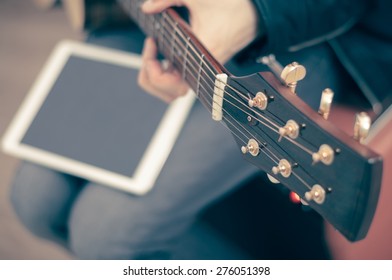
{"x": 27, "y": 35}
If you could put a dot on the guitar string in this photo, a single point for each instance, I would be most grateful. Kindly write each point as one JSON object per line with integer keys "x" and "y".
{"x": 236, "y": 135}
{"x": 252, "y": 110}
{"x": 298, "y": 177}
{"x": 170, "y": 41}
{"x": 260, "y": 149}
{"x": 227, "y": 113}
{"x": 202, "y": 77}
{"x": 192, "y": 47}
{"x": 276, "y": 161}
{"x": 264, "y": 147}
{"x": 174, "y": 25}
{"x": 276, "y": 131}
{"x": 213, "y": 101}
{"x": 232, "y": 116}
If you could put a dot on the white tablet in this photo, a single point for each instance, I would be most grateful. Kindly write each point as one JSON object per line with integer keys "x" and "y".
{"x": 86, "y": 116}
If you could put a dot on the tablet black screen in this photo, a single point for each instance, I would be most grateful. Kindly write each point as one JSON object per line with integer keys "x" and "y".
{"x": 96, "y": 114}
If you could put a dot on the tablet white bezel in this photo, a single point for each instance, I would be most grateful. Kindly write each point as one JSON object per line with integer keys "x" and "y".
{"x": 154, "y": 156}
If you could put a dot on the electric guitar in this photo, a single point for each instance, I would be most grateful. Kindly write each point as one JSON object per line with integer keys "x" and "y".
{"x": 275, "y": 130}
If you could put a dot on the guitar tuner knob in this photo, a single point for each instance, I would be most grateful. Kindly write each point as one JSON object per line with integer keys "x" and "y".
{"x": 317, "y": 194}
{"x": 252, "y": 148}
{"x": 325, "y": 154}
{"x": 259, "y": 101}
{"x": 362, "y": 127}
{"x": 325, "y": 103}
{"x": 292, "y": 74}
{"x": 284, "y": 168}
{"x": 291, "y": 129}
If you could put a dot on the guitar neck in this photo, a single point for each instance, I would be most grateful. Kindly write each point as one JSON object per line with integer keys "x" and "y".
{"x": 180, "y": 47}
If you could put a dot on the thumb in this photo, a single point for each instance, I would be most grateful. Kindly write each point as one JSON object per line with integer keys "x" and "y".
{"x": 157, "y": 6}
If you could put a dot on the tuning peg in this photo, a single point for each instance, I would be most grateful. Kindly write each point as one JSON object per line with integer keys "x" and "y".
{"x": 316, "y": 193}
{"x": 362, "y": 126}
{"x": 290, "y": 75}
{"x": 259, "y": 101}
{"x": 252, "y": 148}
{"x": 284, "y": 168}
{"x": 325, "y": 103}
{"x": 290, "y": 129}
{"x": 325, "y": 154}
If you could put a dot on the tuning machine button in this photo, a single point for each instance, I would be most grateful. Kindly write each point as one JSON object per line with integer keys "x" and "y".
{"x": 259, "y": 101}
{"x": 325, "y": 103}
{"x": 291, "y": 129}
{"x": 362, "y": 127}
{"x": 325, "y": 154}
{"x": 284, "y": 168}
{"x": 252, "y": 148}
{"x": 290, "y": 75}
{"x": 317, "y": 194}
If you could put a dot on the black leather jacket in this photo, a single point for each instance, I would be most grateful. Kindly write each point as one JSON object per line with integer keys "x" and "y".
{"x": 359, "y": 32}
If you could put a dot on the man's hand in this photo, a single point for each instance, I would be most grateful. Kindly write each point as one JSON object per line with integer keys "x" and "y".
{"x": 223, "y": 26}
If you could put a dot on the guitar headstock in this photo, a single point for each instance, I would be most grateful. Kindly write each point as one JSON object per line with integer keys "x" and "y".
{"x": 335, "y": 174}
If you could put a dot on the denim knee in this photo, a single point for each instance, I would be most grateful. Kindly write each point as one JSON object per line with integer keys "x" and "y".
{"x": 41, "y": 197}
{"x": 109, "y": 224}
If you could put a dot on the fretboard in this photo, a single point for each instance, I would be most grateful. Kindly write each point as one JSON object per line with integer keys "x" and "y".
{"x": 180, "y": 47}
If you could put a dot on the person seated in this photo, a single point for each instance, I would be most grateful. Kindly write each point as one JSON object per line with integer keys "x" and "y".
{"x": 336, "y": 40}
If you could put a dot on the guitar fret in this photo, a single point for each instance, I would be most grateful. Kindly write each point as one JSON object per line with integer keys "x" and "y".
{"x": 154, "y": 28}
{"x": 162, "y": 32}
{"x": 173, "y": 42}
{"x": 206, "y": 85}
{"x": 185, "y": 58}
{"x": 157, "y": 29}
{"x": 194, "y": 73}
{"x": 199, "y": 74}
